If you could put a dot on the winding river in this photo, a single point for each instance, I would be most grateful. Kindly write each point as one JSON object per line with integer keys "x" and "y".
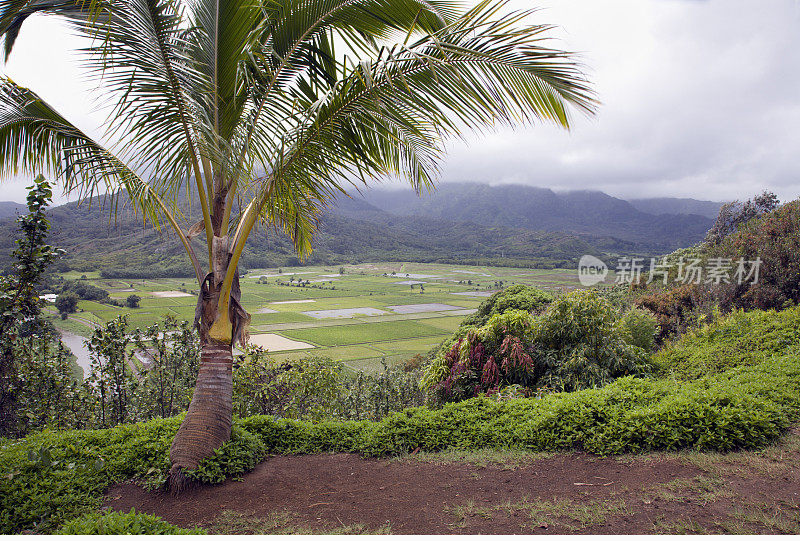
{"x": 75, "y": 343}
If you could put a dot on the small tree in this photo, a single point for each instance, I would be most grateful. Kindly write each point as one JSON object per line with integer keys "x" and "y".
{"x": 67, "y": 303}
{"x": 111, "y": 381}
{"x": 734, "y": 214}
{"x": 132, "y": 301}
{"x": 172, "y": 351}
{"x": 19, "y": 298}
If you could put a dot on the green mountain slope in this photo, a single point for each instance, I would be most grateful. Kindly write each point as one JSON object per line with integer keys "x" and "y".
{"x": 540, "y": 209}
{"x": 498, "y": 230}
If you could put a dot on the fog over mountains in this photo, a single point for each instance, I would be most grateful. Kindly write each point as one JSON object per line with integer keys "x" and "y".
{"x": 652, "y": 224}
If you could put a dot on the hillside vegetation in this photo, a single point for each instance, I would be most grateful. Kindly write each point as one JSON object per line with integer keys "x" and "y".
{"x": 464, "y": 224}
{"x": 55, "y": 476}
{"x": 580, "y": 212}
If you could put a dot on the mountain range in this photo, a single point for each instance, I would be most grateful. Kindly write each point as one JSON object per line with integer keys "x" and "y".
{"x": 659, "y": 228}
{"x": 458, "y": 223}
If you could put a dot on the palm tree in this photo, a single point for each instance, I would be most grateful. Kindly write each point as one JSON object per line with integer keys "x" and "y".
{"x": 266, "y": 110}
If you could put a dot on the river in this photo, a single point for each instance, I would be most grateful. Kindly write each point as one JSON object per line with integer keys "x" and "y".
{"x": 75, "y": 343}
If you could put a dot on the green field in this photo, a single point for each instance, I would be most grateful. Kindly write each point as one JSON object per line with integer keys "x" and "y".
{"x": 361, "y": 341}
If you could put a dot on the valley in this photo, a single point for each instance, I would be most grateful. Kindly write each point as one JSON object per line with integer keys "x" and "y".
{"x": 372, "y": 313}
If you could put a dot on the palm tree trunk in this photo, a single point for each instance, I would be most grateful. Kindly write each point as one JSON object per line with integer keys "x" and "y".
{"x": 208, "y": 422}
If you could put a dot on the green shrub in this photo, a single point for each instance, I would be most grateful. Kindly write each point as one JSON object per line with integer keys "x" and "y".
{"x": 677, "y": 309}
{"x": 238, "y": 455}
{"x": 305, "y": 388}
{"x": 639, "y": 328}
{"x": 739, "y": 339}
{"x": 774, "y": 238}
{"x": 372, "y": 396}
{"x": 578, "y": 342}
{"x": 318, "y": 388}
{"x": 132, "y": 523}
{"x": 52, "y": 477}
{"x": 518, "y": 297}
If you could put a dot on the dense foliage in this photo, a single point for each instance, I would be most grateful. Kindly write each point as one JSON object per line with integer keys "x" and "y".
{"x": 301, "y": 389}
{"x": 67, "y": 302}
{"x": 760, "y": 230}
{"x": 317, "y": 388}
{"x": 83, "y": 290}
{"x": 135, "y": 375}
{"x": 578, "y": 342}
{"x": 20, "y": 306}
{"x": 676, "y": 309}
{"x": 56, "y": 476}
{"x": 739, "y": 339}
{"x": 50, "y": 393}
{"x": 774, "y": 238}
{"x": 114, "y": 523}
{"x": 517, "y": 297}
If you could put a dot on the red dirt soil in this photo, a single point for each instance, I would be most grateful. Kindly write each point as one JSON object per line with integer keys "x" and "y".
{"x": 566, "y": 493}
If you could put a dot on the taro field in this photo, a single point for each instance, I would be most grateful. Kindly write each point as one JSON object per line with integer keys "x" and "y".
{"x": 365, "y": 315}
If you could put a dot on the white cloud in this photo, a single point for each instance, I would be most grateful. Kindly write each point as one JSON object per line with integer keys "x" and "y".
{"x": 700, "y": 99}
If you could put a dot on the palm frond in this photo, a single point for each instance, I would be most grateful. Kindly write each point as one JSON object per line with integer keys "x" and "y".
{"x": 13, "y": 13}
{"x": 35, "y": 138}
{"x": 294, "y": 44}
{"x": 391, "y": 116}
{"x": 140, "y": 57}
{"x": 221, "y": 39}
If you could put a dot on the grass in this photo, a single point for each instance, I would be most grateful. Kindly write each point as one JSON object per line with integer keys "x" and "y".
{"x": 701, "y": 488}
{"x": 506, "y": 459}
{"x": 563, "y": 512}
{"x": 761, "y": 516}
{"x": 281, "y": 523}
{"x": 70, "y": 325}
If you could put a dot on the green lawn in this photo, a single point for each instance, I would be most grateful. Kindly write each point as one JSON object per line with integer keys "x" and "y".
{"x": 362, "y": 334}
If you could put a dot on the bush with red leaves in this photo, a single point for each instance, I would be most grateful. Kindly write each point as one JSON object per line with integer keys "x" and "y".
{"x": 579, "y": 342}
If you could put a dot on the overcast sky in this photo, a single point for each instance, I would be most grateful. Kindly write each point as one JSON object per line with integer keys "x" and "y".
{"x": 700, "y": 98}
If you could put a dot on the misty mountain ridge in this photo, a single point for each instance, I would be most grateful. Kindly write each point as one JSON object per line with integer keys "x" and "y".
{"x": 541, "y": 209}
{"x": 505, "y": 225}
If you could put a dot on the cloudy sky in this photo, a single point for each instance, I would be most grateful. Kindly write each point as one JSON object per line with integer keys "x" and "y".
{"x": 700, "y": 98}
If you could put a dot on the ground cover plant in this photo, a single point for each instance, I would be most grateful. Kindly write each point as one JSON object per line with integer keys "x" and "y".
{"x": 56, "y": 476}
{"x": 738, "y": 339}
{"x": 115, "y": 523}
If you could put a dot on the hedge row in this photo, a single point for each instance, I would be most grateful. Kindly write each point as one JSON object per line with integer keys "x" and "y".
{"x": 52, "y": 477}
{"x": 742, "y": 408}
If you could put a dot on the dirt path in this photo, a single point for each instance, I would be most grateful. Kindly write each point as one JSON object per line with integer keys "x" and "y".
{"x": 474, "y": 494}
